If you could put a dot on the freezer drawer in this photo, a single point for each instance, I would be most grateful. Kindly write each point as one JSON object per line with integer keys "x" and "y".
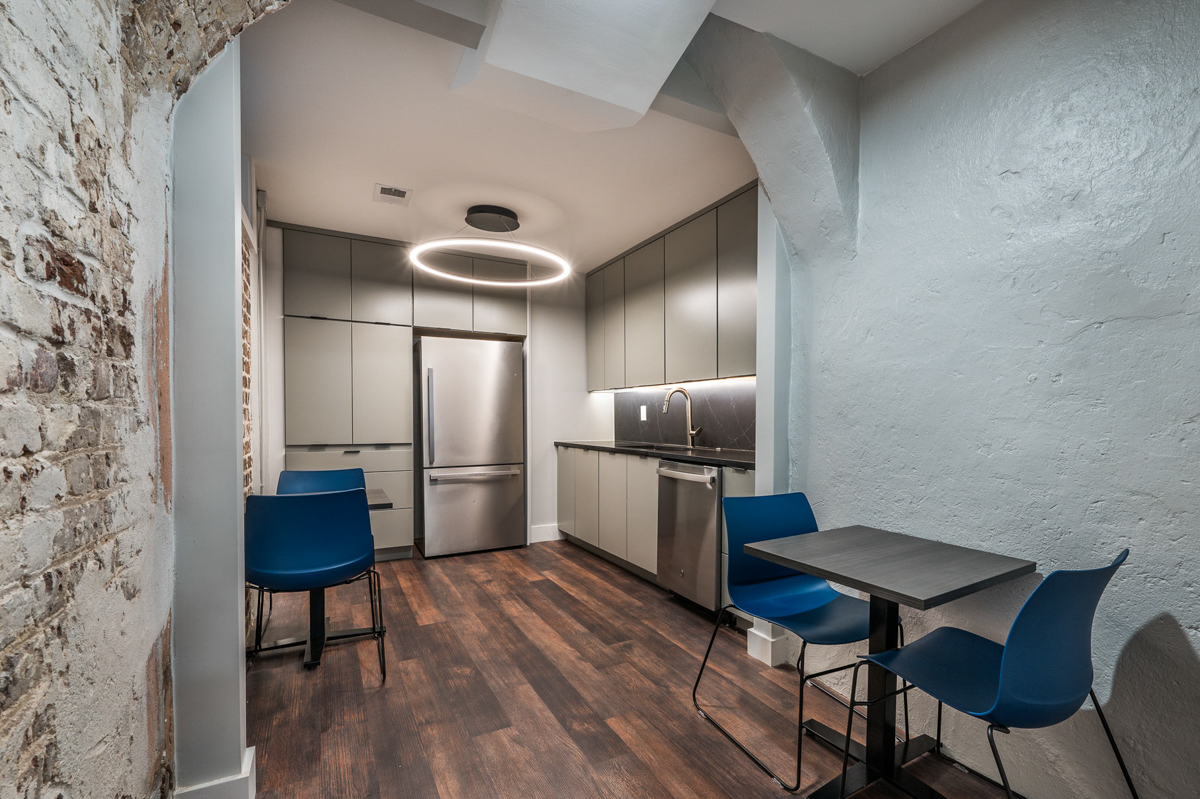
{"x": 689, "y": 549}
{"x": 472, "y": 508}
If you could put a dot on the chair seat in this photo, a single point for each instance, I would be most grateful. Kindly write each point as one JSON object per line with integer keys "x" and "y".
{"x": 310, "y": 579}
{"x": 959, "y": 668}
{"x": 814, "y": 611}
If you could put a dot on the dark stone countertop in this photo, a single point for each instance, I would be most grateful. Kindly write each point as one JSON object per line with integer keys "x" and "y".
{"x": 737, "y": 458}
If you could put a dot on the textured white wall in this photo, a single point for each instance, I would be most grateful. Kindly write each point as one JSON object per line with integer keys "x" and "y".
{"x": 1011, "y": 360}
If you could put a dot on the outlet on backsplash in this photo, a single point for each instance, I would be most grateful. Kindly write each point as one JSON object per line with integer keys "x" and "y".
{"x": 724, "y": 410}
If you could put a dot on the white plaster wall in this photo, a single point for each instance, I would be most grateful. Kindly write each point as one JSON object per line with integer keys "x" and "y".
{"x": 1011, "y": 360}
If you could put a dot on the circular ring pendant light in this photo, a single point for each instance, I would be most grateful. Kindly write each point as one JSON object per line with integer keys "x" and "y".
{"x": 472, "y": 243}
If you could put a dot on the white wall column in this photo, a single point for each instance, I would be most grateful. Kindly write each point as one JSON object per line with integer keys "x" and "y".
{"x": 766, "y": 641}
{"x": 211, "y": 757}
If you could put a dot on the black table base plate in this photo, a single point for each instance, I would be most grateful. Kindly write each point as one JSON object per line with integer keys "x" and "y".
{"x": 857, "y": 774}
{"x": 330, "y": 636}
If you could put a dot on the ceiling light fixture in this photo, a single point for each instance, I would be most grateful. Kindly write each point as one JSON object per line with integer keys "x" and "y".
{"x": 471, "y": 243}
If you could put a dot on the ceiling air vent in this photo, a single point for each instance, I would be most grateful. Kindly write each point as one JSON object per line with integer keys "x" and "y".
{"x": 392, "y": 194}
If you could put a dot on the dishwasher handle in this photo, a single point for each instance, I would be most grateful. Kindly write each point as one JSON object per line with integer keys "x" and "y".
{"x": 708, "y": 478}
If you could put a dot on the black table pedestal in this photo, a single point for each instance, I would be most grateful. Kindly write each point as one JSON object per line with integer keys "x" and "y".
{"x": 881, "y": 758}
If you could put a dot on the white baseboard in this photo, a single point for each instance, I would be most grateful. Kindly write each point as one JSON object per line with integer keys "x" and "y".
{"x": 766, "y": 642}
{"x": 544, "y": 532}
{"x": 235, "y": 786}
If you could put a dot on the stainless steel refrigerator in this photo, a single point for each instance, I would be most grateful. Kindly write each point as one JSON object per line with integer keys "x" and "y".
{"x": 470, "y": 422}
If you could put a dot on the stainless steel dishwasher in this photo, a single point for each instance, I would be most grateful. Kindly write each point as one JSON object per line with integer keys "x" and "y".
{"x": 689, "y": 544}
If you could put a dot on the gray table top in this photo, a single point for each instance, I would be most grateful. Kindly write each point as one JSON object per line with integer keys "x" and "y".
{"x": 902, "y": 568}
{"x": 377, "y": 499}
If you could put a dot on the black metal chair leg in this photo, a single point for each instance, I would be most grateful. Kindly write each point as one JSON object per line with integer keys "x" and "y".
{"x": 258, "y": 624}
{"x": 725, "y": 732}
{"x": 996, "y": 754}
{"x": 937, "y": 747}
{"x": 800, "y": 713}
{"x": 375, "y": 588}
{"x": 849, "y": 730}
{"x": 905, "y": 683}
{"x": 1113, "y": 743}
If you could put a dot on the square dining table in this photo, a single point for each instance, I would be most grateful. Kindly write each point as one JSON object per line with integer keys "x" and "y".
{"x": 895, "y": 569}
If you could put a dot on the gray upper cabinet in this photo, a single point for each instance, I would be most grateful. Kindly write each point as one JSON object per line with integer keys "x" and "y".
{"x": 614, "y": 325}
{"x": 690, "y": 280}
{"x": 737, "y": 284}
{"x": 442, "y": 302}
{"x": 316, "y": 275}
{"x": 594, "y": 324}
{"x": 499, "y": 309}
{"x": 382, "y": 360}
{"x": 644, "y": 345}
{"x": 381, "y": 283}
{"x": 317, "y": 381}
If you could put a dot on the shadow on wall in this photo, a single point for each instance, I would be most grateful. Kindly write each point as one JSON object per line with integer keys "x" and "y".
{"x": 1154, "y": 710}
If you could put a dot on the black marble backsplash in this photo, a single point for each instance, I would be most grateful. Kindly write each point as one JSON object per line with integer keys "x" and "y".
{"x": 723, "y": 409}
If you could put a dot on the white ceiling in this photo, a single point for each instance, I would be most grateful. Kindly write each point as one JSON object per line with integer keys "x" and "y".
{"x": 336, "y": 100}
{"x": 856, "y": 34}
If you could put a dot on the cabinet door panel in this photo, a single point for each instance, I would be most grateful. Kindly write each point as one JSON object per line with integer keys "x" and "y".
{"x": 316, "y": 381}
{"x": 316, "y": 275}
{"x": 382, "y": 384}
{"x": 499, "y": 310}
{"x": 587, "y": 495}
{"x": 644, "y": 344}
{"x": 594, "y": 323}
{"x": 380, "y": 283}
{"x": 612, "y": 503}
{"x": 439, "y": 301}
{"x": 737, "y": 284}
{"x": 642, "y": 512}
{"x": 566, "y": 490}
{"x": 690, "y": 279}
{"x": 614, "y": 325}
{"x": 736, "y": 483}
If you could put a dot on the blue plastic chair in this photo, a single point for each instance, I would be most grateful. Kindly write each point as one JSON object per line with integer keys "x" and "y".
{"x": 310, "y": 542}
{"x": 1040, "y": 676}
{"x": 805, "y": 605}
{"x": 306, "y": 482}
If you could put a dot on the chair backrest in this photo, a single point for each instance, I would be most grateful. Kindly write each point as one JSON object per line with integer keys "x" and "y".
{"x": 1046, "y": 672}
{"x": 306, "y": 482}
{"x": 291, "y": 537}
{"x": 752, "y": 519}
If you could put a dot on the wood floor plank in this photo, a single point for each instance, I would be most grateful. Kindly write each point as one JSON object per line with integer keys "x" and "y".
{"x": 531, "y": 673}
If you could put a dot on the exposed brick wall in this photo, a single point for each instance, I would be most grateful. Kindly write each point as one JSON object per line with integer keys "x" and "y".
{"x": 86, "y": 95}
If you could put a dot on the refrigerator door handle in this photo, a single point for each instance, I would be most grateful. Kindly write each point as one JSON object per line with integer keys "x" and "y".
{"x": 429, "y": 408}
{"x": 473, "y": 475}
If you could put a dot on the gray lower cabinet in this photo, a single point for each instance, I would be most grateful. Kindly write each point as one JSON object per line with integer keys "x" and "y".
{"x": 587, "y": 495}
{"x": 382, "y": 383}
{"x": 317, "y": 381}
{"x": 641, "y": 508}
{"x": 614, "y": 325}
{"x": 737, "y": 284}
{"x": 380, "y": 283}
{"x": 644, "y": 343}
{"x": 566, "y": 490}
{"x": 499, "y": 309}
{"x": 316, "y": 275}
{"x": 594, "y": 324}
{"x": 690, "y": 282}
{"x": 442, "y": 302}
{"x": 612, "y": 525}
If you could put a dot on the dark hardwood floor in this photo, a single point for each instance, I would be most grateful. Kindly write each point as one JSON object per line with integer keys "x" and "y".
{"x": 530, "y": 673}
